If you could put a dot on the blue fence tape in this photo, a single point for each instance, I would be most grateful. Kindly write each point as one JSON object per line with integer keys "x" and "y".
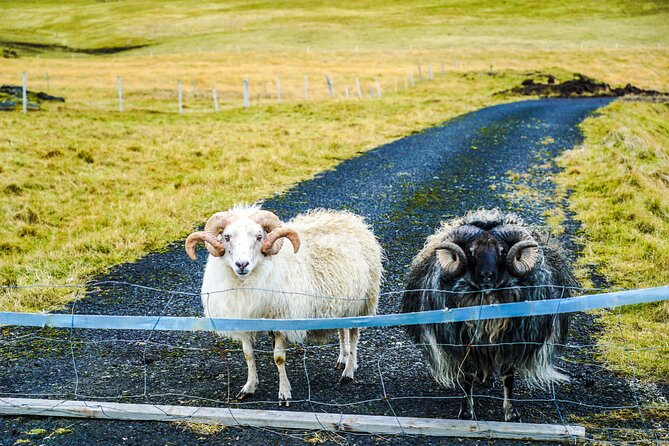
{"x": 535, "y": 308}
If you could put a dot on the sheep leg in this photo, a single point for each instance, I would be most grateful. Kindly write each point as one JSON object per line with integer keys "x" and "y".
{"x": 352, "y": 360}
{"x": 344, "y": 344}
{"x": 252, "y": 380}
{"x": 510, "y": 411}
{"x": 280, "y": 344}
{"x": 467, "y": 402}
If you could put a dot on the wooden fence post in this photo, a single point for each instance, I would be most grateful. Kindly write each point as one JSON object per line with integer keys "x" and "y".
{"x": 306, "y": 88}
{"x": 246, "y": 93}
{"x": 180, "y": 94}
{"x": 119, "y": 80}
{"x": 24, "y": 93}
{"x": 215, "y": 97}
{"x": 328, "y": 80}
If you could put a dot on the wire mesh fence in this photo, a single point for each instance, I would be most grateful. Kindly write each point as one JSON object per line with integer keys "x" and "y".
{"x": 200, "y": 370}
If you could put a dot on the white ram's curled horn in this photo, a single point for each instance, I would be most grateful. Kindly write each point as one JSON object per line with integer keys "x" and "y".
{"x": 522, "y": 257}
{"x": 214, "y": 226}
{"x": 451, "y": 258}
{"x": 270, "y": 248}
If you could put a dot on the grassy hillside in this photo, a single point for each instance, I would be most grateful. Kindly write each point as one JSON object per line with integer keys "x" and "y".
{"x": 189, "y": 26}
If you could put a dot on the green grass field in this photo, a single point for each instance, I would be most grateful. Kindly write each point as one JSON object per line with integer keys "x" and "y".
{"x": 84, "y": 187}
{"x": 187, "y": 26}
{"x": 619, "y": 180}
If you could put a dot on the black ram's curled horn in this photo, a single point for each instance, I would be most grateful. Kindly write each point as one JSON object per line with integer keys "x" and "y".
{"x": 522, "y": 257}
{"x": 451, "y": 258}
{"x": 523, "y": 252}
{"x": 450, "y": 255}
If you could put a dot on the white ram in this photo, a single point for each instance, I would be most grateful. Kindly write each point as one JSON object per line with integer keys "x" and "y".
{"x": 333, "y": 270}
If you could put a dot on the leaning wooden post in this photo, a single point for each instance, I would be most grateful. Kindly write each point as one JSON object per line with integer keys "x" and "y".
{"x": 215, "y": 97}
{"x": 246, "y": 93}
{"x": 328, "y": 81}
{"x": 180, "y": 93}
{"x": 278, "y": 90}
{"x": 119, "y": 81}
{"x": 24, "y": 94}
{"x": 357, "y": 86}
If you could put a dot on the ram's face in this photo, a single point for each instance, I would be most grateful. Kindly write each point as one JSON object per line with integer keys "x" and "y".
{"x": 243, "y": 240}
{"x": 486, "y": 262}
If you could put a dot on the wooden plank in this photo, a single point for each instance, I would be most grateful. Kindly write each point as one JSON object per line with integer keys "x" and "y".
{"x": 284, "y": 419}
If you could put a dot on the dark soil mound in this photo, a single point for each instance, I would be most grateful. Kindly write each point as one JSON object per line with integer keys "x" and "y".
{"x": 15, "y": 48}
{"x": 579, "y": 85}
{"x": 11, "y": 97}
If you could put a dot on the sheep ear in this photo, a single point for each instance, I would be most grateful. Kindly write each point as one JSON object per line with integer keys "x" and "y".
{"x": 451, "y": 258}
{"x": 522, "y": 257}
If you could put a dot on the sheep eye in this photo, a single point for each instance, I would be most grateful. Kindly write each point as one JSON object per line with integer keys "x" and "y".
{"x": 227, "y": 238}
{"x": 259, "y": 237}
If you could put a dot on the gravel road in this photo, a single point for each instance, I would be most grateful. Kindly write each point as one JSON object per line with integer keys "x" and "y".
{"x": 404, "y": 189}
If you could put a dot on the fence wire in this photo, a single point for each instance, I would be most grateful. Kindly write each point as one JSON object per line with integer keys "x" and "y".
{"x": 200, "y": 369}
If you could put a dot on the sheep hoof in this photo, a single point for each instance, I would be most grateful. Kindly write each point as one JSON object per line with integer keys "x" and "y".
{"x": 512, "y": 415}
{"x": 340, "y": 365}
{"x": 286, "y": 402}
{"x": 241, "y": 395}
{"x": 346, "y": 380}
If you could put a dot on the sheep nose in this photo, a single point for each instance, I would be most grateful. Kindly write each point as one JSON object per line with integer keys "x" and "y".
{"x": 486, "y": 276}
{"x": 242, "y": 265}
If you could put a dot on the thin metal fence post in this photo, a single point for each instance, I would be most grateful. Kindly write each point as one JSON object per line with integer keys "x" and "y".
{"x": 357, "y": 86}
{"x": 278, "y": 90}
{"x": 215, "y": 97}
{"x": 378, "y": 87}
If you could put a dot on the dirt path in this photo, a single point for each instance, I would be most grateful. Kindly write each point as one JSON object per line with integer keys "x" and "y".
{"x": 404, "y": 189}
